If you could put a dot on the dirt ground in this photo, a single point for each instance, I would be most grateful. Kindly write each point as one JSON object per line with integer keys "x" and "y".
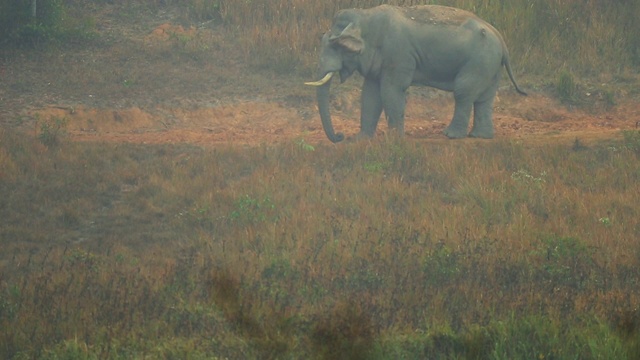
{"x": 217, "y": 99}
{"x": 269, "y": 122}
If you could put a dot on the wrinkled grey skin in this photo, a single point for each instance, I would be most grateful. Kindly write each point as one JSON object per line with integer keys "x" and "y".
{"x": 395, "y": 47}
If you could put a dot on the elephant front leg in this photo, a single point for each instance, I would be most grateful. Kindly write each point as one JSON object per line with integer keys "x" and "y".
{"x": 371, "y": 107}
{"x": 394, "y": 101}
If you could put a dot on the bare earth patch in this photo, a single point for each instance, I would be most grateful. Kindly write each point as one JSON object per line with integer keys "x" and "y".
{"x": 268, "y": 122}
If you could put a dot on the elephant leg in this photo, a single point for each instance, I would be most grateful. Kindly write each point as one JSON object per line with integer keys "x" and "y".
{"x": 483, "y": 114}
{"x": 394, "y": 101}
{"x": 371, "y": 107}
{"x": 461, "y": 115}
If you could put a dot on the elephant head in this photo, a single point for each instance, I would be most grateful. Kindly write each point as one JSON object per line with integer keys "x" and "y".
{"x": 341, "y": 47}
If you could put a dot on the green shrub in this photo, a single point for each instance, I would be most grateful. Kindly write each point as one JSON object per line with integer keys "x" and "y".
{"x": 632, "y": 140}
{"x": 51, "y": 130}
{"x": 566, "y": 262}
{"x": 566, "y": 88}
{"x": 249, "y": 210}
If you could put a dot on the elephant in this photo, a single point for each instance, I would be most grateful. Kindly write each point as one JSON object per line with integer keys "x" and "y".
{"x": 429, "y": 45}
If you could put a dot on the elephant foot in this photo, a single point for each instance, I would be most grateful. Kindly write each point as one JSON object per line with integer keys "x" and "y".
{"x": 481, "y": 134}
{"x": 363, "y": 136}
{"x": 455, "y": 134}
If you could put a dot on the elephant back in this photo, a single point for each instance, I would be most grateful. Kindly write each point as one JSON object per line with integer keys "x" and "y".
{"x": 436, "y": 15}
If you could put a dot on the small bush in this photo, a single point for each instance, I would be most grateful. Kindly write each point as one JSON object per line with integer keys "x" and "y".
{"x": 566, "y": 88}
{"x": 249, "y": 210}
{"x": 566, "y": 262}
{"x": 632, "y": 140}
{"x": 50, "y": 131}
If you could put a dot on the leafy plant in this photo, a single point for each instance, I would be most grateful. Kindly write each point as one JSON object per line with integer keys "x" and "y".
{"x": 51, "y": 130}
{"x": 374, "y": 166}
{"x": 305, "y": 145}
{"x": 567, "y": 261}
{"x": 632, "y": 140}
{"x": 251, "y": 210}
{"x": 605, "y": 221}
{"x": 567, "y": 88}
{"x": 441, "y": 265}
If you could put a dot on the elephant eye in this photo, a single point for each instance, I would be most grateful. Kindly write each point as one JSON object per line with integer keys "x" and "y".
{"x": 340, "y": 25}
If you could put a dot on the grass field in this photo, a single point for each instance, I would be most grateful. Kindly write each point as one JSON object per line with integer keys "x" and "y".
{"x": 514, "y": 248}
{"x": 391, "y": 249}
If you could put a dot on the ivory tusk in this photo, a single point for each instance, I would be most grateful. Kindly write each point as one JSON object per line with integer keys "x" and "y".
{"x": 321, "y": 81}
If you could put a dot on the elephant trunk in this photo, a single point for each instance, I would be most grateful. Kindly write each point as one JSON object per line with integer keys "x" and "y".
{"x": 322, "y": 93}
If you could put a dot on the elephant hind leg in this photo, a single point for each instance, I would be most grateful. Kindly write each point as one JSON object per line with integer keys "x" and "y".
{"x": 483, "y": 115}
{"x": 467, "y": 89}
{"x": 482, "y": 120}
{"x": 459, "y": 125}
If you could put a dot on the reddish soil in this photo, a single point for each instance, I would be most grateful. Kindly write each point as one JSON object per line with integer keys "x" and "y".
{"x": 268, "y": 122}
{"x": 232, "y": 103}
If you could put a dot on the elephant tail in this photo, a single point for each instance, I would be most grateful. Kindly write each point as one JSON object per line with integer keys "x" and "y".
{"x": 507, "y": 65}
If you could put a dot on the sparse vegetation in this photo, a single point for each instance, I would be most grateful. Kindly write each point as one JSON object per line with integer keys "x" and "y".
{"x": 594, "y": 42}
{"x": 50, "y": 130}
{"x": 632, "y": 140}
{"x": 454, "y": 250}
{"x": 592, "y": 37}
{"x": 567, "y": 88}
{"x": 53, "y": 22}
{"x": 388, "y": 249}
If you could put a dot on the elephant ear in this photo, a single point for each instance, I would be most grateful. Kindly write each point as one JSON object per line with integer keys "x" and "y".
{"x": 349, "y": 38}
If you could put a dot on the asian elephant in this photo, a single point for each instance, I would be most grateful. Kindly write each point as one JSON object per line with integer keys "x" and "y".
{"x": 395, "y": 47}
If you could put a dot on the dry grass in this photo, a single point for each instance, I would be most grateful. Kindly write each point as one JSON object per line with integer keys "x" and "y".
{"x": 594, "y": 42}
{"x": 384, "y": 249}
{"x": 272, "y": 252}
{"x": 590, "y": 38}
